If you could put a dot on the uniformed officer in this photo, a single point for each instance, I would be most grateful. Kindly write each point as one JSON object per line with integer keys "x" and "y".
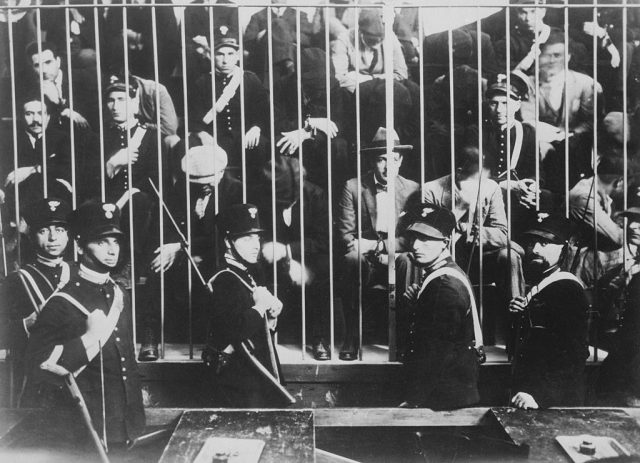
{"x": 441, "y": 363}
{"x": 85, "y": 329}
{"x": 24, "y": 292}
{"x": 243, "y": 364}
{"x": 551, "y": 347}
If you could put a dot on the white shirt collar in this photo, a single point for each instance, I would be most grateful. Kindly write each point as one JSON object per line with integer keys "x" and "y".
{"x": 91, "y": 275}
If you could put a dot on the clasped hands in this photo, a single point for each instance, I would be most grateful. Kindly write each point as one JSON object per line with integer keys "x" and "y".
{"x": 266, "y": 303}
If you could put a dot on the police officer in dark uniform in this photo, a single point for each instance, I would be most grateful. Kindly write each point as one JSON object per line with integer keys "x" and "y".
{"x": 85, "y": 329}
{"x": 24, "y": 292}
{"x": 440, "y": 362}
{"x": 240, "y": 355}
{"x": 551, "y": 346}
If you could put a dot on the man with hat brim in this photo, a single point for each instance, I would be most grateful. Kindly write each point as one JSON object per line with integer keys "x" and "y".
{"x": 551, "y": 324}
{"x": 24, "y": 292}
{"x": 440, "y": 362}
{"x": 210, "y": 189}
{"x": 619, "y": 375}
{"x": 226, "y": 113}
{"x": 367, "y": 248}
{"x": 85, "y": 329}
{"x": 243, "y": 366}
{"x": 510, "y": 150}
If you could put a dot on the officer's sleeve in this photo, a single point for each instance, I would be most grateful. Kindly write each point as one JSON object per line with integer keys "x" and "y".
{"x": 14, "y": 307}
{"x": 448, "y": 302}
{"x": 55, "y": 339}
{"x": 233, "y": 318}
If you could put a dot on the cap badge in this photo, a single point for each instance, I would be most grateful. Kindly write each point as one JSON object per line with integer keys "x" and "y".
{"x": 224, "y": 30}
{"x": 53, "y": 205}
{"x": 501, "y": 78}
{"x": 253, "y": 212}
{"x": 109, "y": 209}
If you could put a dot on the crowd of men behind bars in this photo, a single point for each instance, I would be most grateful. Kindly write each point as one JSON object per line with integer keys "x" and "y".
{"x": 524, "y": 121}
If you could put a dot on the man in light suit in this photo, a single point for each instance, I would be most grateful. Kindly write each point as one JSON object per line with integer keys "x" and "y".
{"x": 581, "y": 92}
{"x": 367, "y": 248}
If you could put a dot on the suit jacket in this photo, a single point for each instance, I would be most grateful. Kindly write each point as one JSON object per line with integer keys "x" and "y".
{"x": 61, "y": 325}
{"x": 442, "y": 370}
{"x": 550, "y": 362}
{"x": 347, "y": 221}
{"x": 580, "y": 99}
{"x": 316, "y": 221}
{"x": 494, "y": 229}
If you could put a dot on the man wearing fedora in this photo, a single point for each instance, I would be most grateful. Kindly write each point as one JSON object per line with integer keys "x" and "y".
{"x": 84, "y": 329}
{"x": 226, "y": 113}
{"x": 441, "y": 362}
{"x": 210, "y": 189}
{"x": 367, "y": 248}
{"x": 24, "y": 292}
{"x": 242, "y": 363}
{"x": 551, "y": 345}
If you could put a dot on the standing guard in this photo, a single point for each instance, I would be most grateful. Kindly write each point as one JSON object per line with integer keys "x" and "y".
{"x": 551, "y": 344}
{"x": 441, "y": 361}
{"x": 242, "y": 361}
{"x": 24, "y": 292}
{"x": 84, "y": 330}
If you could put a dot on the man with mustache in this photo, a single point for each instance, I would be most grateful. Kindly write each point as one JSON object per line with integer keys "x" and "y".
{"x": 24, "y": 292}
{"x": 35, "y": 163}
{"x": 551, "y": 347}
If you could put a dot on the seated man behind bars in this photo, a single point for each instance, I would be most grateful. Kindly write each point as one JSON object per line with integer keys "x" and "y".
{"x": 502, "y": 265}
{"x": 209, "y": 187}
{"x": 286, "y": 247}
{"x": 367, "y": 248}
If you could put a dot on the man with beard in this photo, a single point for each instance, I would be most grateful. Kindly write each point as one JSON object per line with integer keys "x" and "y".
{"x": 24, "y": 292}
{"x": 242, "y": 362}
{"x": 441, "y": 363}
{"x": 551, "y": 347}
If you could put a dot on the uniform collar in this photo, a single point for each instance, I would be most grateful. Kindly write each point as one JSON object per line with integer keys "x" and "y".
{"x": 49, "y": 262}
{"x": 92, "y": 276}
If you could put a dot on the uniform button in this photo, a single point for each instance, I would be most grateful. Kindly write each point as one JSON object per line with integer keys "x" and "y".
{"x": 115, "y": 329}
{"x": 77, "y": 283}
{"x": 124, "y": 369}
{"x": 122, "y": 359}
{"x": 117, "y": 339}
{"x": 124, "y": 378}
{"x": 108, "y": 296}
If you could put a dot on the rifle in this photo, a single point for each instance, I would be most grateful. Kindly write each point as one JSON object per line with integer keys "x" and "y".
{"x": 71, "y": 384}
{"x": 4, "y": 246}
{"x": 263, "y": 371}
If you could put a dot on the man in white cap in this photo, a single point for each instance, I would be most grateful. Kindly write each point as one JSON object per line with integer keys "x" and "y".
{"x": 209, "y": 190}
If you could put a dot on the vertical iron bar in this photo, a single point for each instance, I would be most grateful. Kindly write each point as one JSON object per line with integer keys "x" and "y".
{"x": 14, "y": 128}
{"x": 595, "y": 170}
{"x": 481, "y": 165}
{"x": 45, "y": 186}
{"x": 359, "y": 182}
{"x": 96, "y": 32}
{"x": 71, "y": 122}
{"x": 388, "y": 46}
{"x": 452, "y": 136}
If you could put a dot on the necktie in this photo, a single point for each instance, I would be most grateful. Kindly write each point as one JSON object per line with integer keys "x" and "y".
{"x": 374, "y": 60}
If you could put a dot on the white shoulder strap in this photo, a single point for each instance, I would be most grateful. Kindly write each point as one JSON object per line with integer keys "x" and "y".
{"x": 477, "y": 330}
{"x": 73, "y": 302}
{"x": 557, "y": 276}
{"x": 26, "y": 276}
{"x": 517, "y": 147}
{"x": 211, "y": 280}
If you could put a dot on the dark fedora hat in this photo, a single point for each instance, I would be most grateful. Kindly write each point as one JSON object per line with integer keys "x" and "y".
{"x": 379, "y": 143}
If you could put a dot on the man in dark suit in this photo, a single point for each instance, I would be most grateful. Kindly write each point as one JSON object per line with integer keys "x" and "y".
{"x": 368, "y": 249}
{"x": 440, "y": 362}
{"x": 47, "y": 61}
{"x": 551, "y": 348}
{"x": 286, "y": 246}
{"x": 210, "y": 189}
{"x": 29, "y": 174}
